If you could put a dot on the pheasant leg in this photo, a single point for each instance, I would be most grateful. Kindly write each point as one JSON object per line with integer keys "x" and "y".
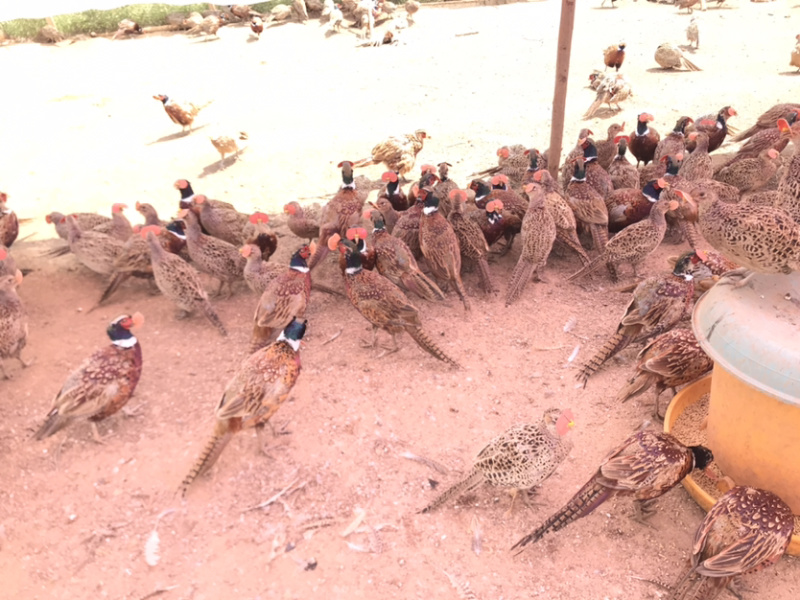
{"x": 96, "y": 433}
{"x": 643, "y": 510}
{"x": 3, "y": 371}
{"x": 393, "y": 349}
{"x": 374, "y": 342}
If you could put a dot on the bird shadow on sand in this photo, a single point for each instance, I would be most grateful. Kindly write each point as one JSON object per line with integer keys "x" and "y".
{"x": 221, "y": 165}
{"x": 175, "y": 136}
{"x": 604, "y": 113}
{"x": 689, "y": 49}
{"x": 789, "y": 73}
{"x": 252, "y": 39}
{"x": 207, "y": 38}
{"x": 666, "y": 71}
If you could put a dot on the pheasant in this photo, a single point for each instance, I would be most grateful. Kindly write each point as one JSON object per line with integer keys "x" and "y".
{"x": 747, "y": 530}
{"x": 398, "y": 153}
{"x": 284, "y": 298}
{"x": 508, "y": 201}
{"x": 643, "y": 141}
{"x": 102, "y": 384}
{"x": 670, "y": 57}
{"x": 672, "y": 359}
{"x": 383, "y": 304}
{"x": 768, "y": 119}
{"x": 538, "y": 235}
{"x": 588, "y": 206}
{"x": 149, "y": 213}
{"x": 13, "y": 319}
{"x": 520, "y": 458}
{"x": 563, "y": 217}
{"x": 568, "y": 166}
{"x": 257, "y": 231}
{"x": 675, "y": 141}
{"x": 341, "y": 212}
{"x": 9, "y": 223}
{"x": 471, "y": 242}
{"x": 303, "y": 222}
{"x": 714, "y": 126}
{"x": 224, "y": 224}
{"x": 645, "y": 466}
{"x": 444, "y": 187}
{"x": 614, "y": 56}
{"x": 127, "y": 27}
{"x": 132, "y": 261}
{"x": 178, "y": 280}
{"x": 697, "y": 165}
{"x": 212, "y": 255}
{"x": 656, "y": 305}
{"x": 627, "y": 206}
{"x": 120, "y": 225}
{"x": 94, "y": 250}
{"x": 180, "y": 113}
{"x": 258, "y": 273}
{"x": 762, "y": 239}
{"x": 634, "y": 243}
{"x": 751, "y": 174}
{"x": 8, "y": 266}
{"x": 85, "y": 221}
{"x": 393, "y": 192}
{"x": 789, "y": 184}
{"x": 439, "y": 244}
{"x": 777, "y": 138}
{"x": 623, "y": 174}
{"x": 394, "y": 260}
{"x": 596, "y": 176}
{"x": 261, "y": 384}
{"x": 227, "y": 144}
{"x": 607, "y": 148}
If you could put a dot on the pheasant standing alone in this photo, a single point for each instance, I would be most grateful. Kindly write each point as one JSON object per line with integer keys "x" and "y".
{"x": 261, "y": 384}
{"x": 520, "y": 458}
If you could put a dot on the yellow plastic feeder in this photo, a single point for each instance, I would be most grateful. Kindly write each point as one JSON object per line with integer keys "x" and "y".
{"x": 753, "y": 336}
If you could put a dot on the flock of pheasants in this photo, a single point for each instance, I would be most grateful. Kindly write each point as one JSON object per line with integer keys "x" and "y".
{"x": 740, "y": 219}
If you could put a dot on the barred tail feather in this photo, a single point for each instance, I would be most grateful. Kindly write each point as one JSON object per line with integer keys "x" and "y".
{"x": 470, "y": 482}
{"x": 694, "y": 586}
{"x": 570, "y": 239}
{"x": 212, "y": 316}
{"x": 594, "y": 265}
{"x": 599, "y": 236}
{"x": 422, "y": 286}
{"x": 486, "y": 276}
{"x": 462, "y": 293}
{"x": 320, "y": 254}
{"x": 117, "y": 280}
{"x": 54, "y": 423}
{"x": 691, "y": 234}
{"x": 519, "y": 279}
{"x": 746, "y": 134}
{"x": 427, "y": 344}
{"x": 207, "y": 458}
{"x": 615, "y": 344}
{"x": 588, "y": 498}
{"x": 640, "y": 383}
{"x": 690, "y": 65}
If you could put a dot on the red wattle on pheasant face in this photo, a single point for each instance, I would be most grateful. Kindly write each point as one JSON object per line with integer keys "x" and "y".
{"x": 564, "y": 422}
{"x": 259, "y": 217}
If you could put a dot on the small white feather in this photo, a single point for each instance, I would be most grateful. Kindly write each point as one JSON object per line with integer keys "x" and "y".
{"x": 570, "y": 324}
{"x": 151, "y": 556}
{"x": 574, "y": 353}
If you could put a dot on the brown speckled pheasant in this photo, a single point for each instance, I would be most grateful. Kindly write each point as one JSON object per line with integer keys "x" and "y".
{"x": 261, "y": 384}
{"x": 444, "y": 187}
{"x": 645, "y": 466}
{"x": 512, "y": 161}
{"x": 303, "y": 222}
{"x": 607, "y": 148}
{"x": 633, "y": 244}
{"x": 13, "y": 319}
{"x": 762, "y": 239}
{"x": 672, "y": 359}
{"x": 747, "y": 530}
{"x": 180, "y": 113}
{"x": 596, "y": 176}
{"x": 395, "y": 261}
{"x": 389, "y": 214}
{"x": 789, "y": 185}
{"x": 538, "y": 235}
{"x": 96, "y": 251}
{"x": 518, "y": 459}
{"x": 697, "y": 165}
{"x": 103, "y": 384}
{"x": 149, "y": 213}
{"x": 132, "y": 261}
{"x": 9, "y": 223}
{"x": 627, "y": 206}
{"x": 258, "y": 273}
{"x": 588, "y": 206}
{"x": 562, "y": 214}
{"x": 340, "y": 213}
{"x": 675, "y": 142}
{"x": 511, "y": 204}
{"x": 178, "y": 280}
{"x": 398, "y": 153}
{"x": 714, "y": 126}
{"x": 223, "y": 223}
{"x": 284, "y": 298}
{"x": 623, "y": 174}
{"x": 777, "y": 137}
{"x": 768, "y": 119}
{"x": 657, "y": 305}
{"x": 257, "y": 231}
{"x": 393, "y": 192}
{"x": 120, "y": 225}
{"x": 471, "y": 242}
{"x": 383, "y": 304}
{"x": 643, "y": 141}
{"x": 568, "y": 167}
{"x": 751, "y": 174}
{"x": 439, "y": 244}
{"x": 8, "y": 266}
{"x": 212, "y": 255}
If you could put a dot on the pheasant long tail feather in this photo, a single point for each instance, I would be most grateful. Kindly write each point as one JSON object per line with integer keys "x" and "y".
{"x": 427, "y": 344}
{"x": 320, "y": 254}
{"x": 589, "y": 497}
{"x": 462, "y": 293}
{"x": 616, "y": 343}
{"x": 59, "y": 251}
{"x": 212, "y": 316}
{"x": 691, "y": 234}
{"x": 422, "y": 286}
{"x": 570, "y": 239}
{"x": 694, "y": 586}
{"x": 52, "y": 424}
{"x": 519, "y": 279}
{"x": 490, "y": 171}
{"x": 690, "y": 65}
{"x": 599, "y": 236}
{"x": 746, "y": 133}
{"x": 486, "y": 276}
{"x": 207, "y": 458}
{"x": 112, "y": 287}
{"x": 364, "y": 162}
{"x": 640, "y": 383}
{"x": 594, "y": 265}
{"x": 471, "y": 481}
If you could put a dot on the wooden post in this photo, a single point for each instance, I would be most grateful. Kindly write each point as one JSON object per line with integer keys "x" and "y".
{"x": 560, "y": 94}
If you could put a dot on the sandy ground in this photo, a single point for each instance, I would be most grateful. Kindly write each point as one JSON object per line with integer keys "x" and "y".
{"x": 81, "y": 131}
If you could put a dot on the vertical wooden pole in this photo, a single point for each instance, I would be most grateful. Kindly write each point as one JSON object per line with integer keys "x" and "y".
{"x": 560, "y": 94}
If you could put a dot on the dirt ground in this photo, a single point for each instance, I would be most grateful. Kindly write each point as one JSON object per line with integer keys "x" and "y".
{"x": 81, "y": 131}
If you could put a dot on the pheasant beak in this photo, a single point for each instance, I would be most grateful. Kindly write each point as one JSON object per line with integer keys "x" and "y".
{"x": 581, "y": 141}
{"x": 772, "y": 153}
{"x": 182, "y": 213}
{"x": 312, "y": 247}
{"x": 137, "y": 319}
{"x": 673, "y": 205}
{"x": 333, "y": 241}
{"x": 18, "y": 277}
